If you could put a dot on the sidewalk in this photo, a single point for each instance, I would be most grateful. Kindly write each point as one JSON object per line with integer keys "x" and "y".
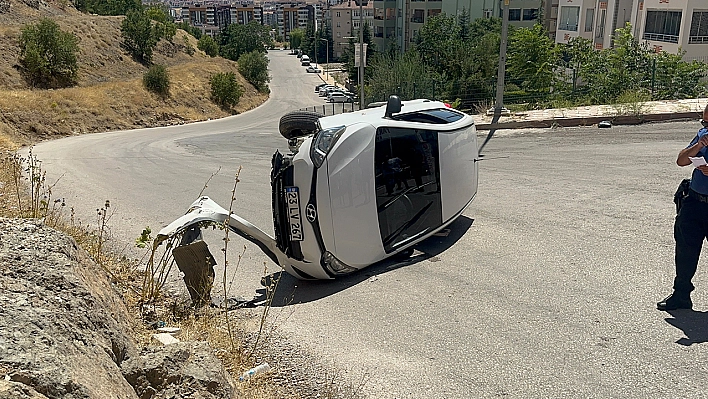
{"x": 651, "y": 111}
{"x": 619, "y": 114}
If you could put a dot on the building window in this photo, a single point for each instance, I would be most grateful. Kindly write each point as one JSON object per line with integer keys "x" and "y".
{"x": 515, "y": 14}
{"x": 339, "y": 14}
{"x": 589, "y": 17}
{"x": 339, "y": 24}
{"x": 568, "y": 19}
{"x": 418, "y": 16}
{"x": 662, "y": 26}
{"x": 530, "y": 14}
{"x": 488, "y": 12}
{"x": 699, "y": 28}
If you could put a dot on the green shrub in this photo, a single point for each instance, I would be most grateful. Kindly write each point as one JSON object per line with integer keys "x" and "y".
{"x": 225, "y": 89}
{"x": 48, "y": 55}
{"x": 208, "y": 45}
{"x": 254, "y": 68}
{"x": 188, "y": 48}
{"x": 139, "y": 38}
{"x": 157, "y": 80}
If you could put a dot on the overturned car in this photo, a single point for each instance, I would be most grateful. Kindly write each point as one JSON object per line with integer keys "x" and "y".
{"x": 357, "y": 188}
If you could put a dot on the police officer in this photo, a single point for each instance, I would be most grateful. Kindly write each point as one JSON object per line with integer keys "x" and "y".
{"x": 691, "y": 226}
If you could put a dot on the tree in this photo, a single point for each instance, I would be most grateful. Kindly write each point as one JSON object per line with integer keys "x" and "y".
{"x": 194, "y": 31}
{"x": 208, "y": 45}
{"x": 238, "y": 39}
{"x": 532, "y": 58}
{"x": 403, "y": 74}
{"x": 48, "y": 54}
{"x": 163, "y": 28}
{"x": 157, "y": 80}
{"x": 138, "y": 36}
{"x": 610, "y": 72}
{"x": 254, "y": 68}
{"x": 225, "y": 90}
{"x": 678, "y": 79}
{"x": 107, "y": 7}
{"x": 296, "y": 36}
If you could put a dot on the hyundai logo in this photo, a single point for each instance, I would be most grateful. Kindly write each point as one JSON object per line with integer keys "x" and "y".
{"x": 311, "y": 213}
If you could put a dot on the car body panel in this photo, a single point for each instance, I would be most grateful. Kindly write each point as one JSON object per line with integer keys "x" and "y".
{"x": 353, "y": 203}
{"x": 458, "y": 164}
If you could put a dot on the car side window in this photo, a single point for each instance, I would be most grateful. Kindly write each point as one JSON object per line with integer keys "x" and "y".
{"x": 407, "y": 171}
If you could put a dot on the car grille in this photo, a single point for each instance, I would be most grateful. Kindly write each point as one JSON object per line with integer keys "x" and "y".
{"x": 281, "y": 176}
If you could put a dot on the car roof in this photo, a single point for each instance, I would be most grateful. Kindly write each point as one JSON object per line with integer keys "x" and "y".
{"x": 413, "y": 113}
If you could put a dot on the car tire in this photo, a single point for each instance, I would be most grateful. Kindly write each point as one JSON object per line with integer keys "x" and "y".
{"x": 299, "y": 123}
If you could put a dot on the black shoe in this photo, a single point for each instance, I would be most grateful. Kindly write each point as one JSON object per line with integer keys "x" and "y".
{"x": 674, "y": 301}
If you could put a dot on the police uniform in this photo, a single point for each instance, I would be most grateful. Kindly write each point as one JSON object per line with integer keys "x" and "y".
{"x": 690, "y": 229}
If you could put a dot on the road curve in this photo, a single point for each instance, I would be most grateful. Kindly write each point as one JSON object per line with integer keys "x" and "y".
{"x": 548, "y": 290}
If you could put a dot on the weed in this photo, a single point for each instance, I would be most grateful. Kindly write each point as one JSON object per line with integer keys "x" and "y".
{"x": 632, "y": 103}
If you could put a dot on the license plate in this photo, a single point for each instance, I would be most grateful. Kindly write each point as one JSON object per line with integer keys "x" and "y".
{"x": 292, "y": 199}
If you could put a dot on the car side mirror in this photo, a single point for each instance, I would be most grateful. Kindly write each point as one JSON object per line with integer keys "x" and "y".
{"x": 393, "y": 106}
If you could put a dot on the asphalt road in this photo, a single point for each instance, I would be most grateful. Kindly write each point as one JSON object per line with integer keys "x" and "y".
{"x": 546, "y": 287}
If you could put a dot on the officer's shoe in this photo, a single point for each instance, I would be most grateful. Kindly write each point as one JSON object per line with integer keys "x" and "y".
{"x": 675, "y": 301}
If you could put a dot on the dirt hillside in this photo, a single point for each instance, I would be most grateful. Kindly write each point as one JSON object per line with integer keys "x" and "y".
{"x": 109, "y": 94}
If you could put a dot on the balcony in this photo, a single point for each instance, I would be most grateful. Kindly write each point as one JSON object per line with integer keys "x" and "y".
{"x": 698, "y": 40}
{"x": 658, "y": 37}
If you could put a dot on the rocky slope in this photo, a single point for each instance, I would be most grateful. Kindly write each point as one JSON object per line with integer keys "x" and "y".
{"x": 65, "y": 332}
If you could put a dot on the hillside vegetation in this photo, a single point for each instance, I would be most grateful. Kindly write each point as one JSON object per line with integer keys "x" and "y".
{"x": 109, "y": 94}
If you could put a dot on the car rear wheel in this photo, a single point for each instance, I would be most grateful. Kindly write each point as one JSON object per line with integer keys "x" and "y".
{"x": 299, "y": 123}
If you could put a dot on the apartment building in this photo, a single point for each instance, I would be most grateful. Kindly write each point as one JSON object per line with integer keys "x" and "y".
{"x": 292, "y": 16}
{"x": 344, "y": 22}
{"x": 669, "y": 25}
{"x": 396, "y": 22}
{"x": 212, "y": 18}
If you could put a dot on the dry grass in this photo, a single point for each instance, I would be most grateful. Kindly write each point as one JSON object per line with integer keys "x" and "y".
{"x": 109, "y": 94}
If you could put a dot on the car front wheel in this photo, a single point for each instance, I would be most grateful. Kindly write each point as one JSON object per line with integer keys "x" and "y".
{"x": 299, "y": 123}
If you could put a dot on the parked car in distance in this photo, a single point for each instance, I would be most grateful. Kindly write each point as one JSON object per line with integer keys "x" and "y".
{"x": 342, "y": 91}
{"x": 324, "y": 92}
{"x": 356, "y": 188}
{"x": 314, "y": 69}
{"x": 304, "y": 60}
{"x": 339, "y": 97}
{"x": 319, "y": 86}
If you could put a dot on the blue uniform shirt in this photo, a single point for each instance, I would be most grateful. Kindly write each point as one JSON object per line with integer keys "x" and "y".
{"x": 699, "y": 181}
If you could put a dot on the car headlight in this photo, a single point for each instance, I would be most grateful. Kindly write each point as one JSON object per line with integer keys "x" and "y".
{"x": 323, "y": 143}
{"x": 334, "y": 265}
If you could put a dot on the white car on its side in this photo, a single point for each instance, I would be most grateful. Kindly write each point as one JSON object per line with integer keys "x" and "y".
{"x": 358, "y": 187}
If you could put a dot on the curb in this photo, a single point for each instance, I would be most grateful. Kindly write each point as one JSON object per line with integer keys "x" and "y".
{"x": 590, "y": 120}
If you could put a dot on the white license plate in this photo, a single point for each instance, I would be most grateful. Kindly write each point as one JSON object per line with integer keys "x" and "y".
{"x": 292, "y": 199}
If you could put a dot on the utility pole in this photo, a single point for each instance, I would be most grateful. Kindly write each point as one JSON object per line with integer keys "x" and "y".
{"x": 502, "y": 61}
{"x": 361, "y": 51}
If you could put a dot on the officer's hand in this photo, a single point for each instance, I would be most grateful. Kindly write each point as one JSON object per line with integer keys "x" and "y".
{"x": 703, "y": 140}
{"x": 704, "y": 169}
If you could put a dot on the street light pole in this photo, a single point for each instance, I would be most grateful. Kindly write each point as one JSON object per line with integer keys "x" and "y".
{"x": 361, "y": 53}
{"x": 502, "y": 60}
{"x": 327, "y": 50}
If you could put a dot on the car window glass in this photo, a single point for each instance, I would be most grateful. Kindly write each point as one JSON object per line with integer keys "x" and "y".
{"x": 407, "y": 184}
{"x": 437, "y": 116}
